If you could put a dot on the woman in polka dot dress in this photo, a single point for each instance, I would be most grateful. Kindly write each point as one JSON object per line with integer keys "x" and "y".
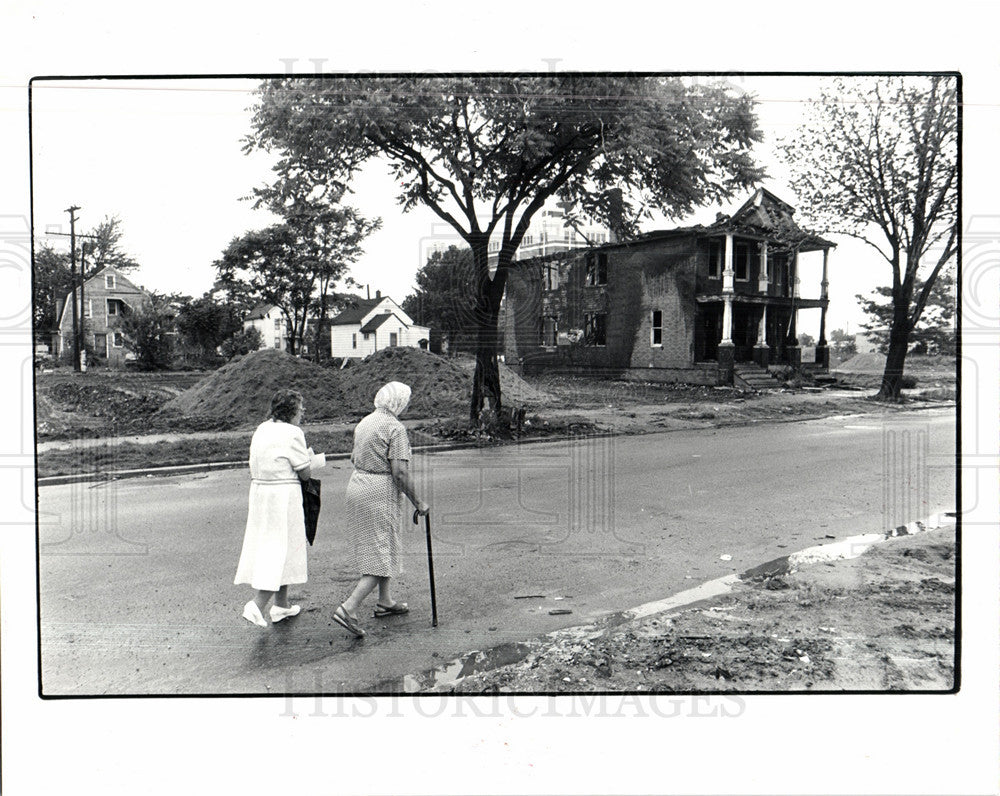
{"x": 381, "y": 477}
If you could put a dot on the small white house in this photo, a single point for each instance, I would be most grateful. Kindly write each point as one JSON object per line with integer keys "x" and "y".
{"x": 372, "y": 325}
{"x": 269, "y": 320}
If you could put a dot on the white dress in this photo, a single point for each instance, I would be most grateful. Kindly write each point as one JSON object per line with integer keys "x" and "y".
{"x": 274, "y": 543}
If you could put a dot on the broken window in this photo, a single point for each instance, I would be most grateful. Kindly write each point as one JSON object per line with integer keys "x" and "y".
{"x": 551, "y": 276}
{"x": 657, "y": 335}
{"x": 595, "y": 328}
{"x": 716, "y": 250}
{"x": 597, "y": 268}
{"x": 550, "y": 330}
{"x": 741, "y": 262}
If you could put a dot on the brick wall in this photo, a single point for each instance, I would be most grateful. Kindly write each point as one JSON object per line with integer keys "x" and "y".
{"x": 655, "y": 275}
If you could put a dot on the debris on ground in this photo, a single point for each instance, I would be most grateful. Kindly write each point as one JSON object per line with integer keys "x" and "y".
{"x": 884, "y": 621}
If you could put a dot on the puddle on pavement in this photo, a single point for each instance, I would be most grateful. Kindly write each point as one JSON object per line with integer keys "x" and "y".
{"x": 475, "y": 662}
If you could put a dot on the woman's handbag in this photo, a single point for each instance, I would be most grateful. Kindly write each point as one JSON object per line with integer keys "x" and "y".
{"x": 310, "y": 506}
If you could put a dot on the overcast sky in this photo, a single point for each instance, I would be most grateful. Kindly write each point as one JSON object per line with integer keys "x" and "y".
{"x": 166, "y": 157}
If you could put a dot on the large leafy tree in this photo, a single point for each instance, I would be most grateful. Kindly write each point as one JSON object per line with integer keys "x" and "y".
{"x": 443, "y": 297}
{"x": 933, "y": 333}
{"x": 485, "y": 153}
{"x": 105, "y": 248}
{"x": 205, "y": 323}
{"x": 52, "y": 282}
{"x": 878, "y": 161}
{"x": 329, "y": 236}
{"x": 268, "y": 266}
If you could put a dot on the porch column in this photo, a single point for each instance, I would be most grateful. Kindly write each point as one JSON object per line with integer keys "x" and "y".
{"x": 762, "y": 276}
{"x": 727, "y": 350}
{"x": 822, "y": 350}
{"x": 761, "y": 353}
{"x": 794, "y": 349}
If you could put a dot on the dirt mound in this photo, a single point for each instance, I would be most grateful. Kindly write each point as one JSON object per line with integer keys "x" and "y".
{"x": 241, "y": 391}
{"x": 441, "y": 385}
{"x": 864, "y": 363}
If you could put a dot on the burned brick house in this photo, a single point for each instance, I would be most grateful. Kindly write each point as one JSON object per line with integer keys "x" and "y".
{"x": 695, "y": 304}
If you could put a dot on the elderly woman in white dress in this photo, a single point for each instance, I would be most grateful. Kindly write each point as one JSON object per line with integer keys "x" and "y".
{"x": 274, "y": 544}
{"x": 381, "y": 477}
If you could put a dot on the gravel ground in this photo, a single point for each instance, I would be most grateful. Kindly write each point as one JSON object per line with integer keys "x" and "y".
{"x": 883, "y": 621}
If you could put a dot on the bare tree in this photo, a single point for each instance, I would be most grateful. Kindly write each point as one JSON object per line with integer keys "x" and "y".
{"x": 878, "y": 161}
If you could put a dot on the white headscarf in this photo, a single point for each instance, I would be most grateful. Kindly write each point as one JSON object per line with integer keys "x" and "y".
{"x": 393, "y": 397}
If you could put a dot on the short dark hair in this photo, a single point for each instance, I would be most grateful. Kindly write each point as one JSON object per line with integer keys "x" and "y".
{"x": 285, "y": 404}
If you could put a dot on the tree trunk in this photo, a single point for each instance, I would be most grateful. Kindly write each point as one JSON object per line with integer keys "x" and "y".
{"x": 319, "y": 325}
{"x": 486, "y": 316}
{"x": 895, "y": 359}
{"x": 486, "y": 381}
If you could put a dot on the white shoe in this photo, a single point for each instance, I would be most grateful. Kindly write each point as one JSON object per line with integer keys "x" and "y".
{"x": 252, "y": 614}
{"x": 278, "y": 613}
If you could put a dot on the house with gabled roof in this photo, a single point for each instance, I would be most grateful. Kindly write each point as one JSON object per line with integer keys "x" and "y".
{"x": 715, "y": 304}
{"x": 373, "y": 324}
{"x": 107, "y": 296}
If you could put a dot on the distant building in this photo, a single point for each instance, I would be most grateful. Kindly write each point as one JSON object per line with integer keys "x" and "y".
{"x": 374, "y": 324}
{"x": 107, "y": 296}
{"x": 269, "y": 321}
{"x": 549, "y": 233}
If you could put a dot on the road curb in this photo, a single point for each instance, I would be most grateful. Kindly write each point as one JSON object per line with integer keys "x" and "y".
{"x": 184, "y": 469}
{"x": 850, "y": 547}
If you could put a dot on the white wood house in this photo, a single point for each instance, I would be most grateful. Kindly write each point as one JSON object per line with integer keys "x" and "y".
{"x": 269, "y": 320}
{"x": 372, "y": 325}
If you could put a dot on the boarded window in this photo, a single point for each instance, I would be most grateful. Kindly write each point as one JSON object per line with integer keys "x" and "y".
{"x": 657, "y": 335}
{"x": 595, "y": 327}
{"x": 597, "y": 268}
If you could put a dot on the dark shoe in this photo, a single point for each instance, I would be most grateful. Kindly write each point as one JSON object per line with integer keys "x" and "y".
{"x": 348, "y": 622}
{"x": 391, "y": 610}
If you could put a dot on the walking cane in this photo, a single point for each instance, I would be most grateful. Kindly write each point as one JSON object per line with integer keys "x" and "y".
{"x": 430, "y": 565}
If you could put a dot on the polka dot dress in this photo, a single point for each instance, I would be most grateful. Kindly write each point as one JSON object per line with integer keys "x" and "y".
{"x": 374, "y": 502}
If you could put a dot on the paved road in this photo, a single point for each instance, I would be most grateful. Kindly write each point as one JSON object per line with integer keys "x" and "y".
{"x": 136, "y": 576}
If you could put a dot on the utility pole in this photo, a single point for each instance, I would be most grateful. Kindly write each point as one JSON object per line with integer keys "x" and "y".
{"x": 72, "y": 278}
{"x": 77, "y": 302}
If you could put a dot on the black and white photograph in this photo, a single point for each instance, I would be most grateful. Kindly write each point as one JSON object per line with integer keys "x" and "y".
{"x": 657, "y": 442}
{"x": 504, "y": 390}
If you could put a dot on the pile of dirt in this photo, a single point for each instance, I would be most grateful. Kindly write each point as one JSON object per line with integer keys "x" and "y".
{"x": 241, "y": 391}
{"x": 441, "y": 385}
{"x": 100, "y": 400}
{"x": 864, "y": 363}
